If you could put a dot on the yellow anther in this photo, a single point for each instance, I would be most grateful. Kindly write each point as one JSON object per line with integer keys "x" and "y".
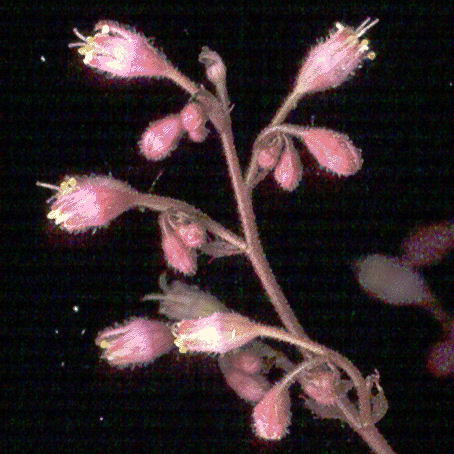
{"x": 364, "y": 42}
{"x": 62, "y": 217}
{"x": 52, "y": 214}
{"x": 104, "y": 344}
{"x": 371, "y": 55}
{"x": 63, "y": 186}
{"x": 105, "y": 30}
{"x": 72, "y": 182}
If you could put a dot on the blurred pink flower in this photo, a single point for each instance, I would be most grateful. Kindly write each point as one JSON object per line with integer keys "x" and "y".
{"x": 120, "y": 51}
{"x": 83, "y": 202}
{"x": 428, "y": 244}
{"x": 136, "y": 342}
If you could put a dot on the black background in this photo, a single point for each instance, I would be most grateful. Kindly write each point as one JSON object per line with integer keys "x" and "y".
{"x": 59, "y": 291}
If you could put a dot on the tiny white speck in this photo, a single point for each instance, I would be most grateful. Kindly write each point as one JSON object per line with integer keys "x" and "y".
{"x": 56, "y": 331}
{"x": 42, "y": 58}
{"x": 62, "y": 364}
{"x": 83, "y": 332}
{"x": 101, "y": 418}
{"x": 450, "y": 83}
{"x": 75, "y": 308}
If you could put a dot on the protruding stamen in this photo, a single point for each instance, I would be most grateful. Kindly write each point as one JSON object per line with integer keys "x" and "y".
{"x": 365, "y": 26}
{"x": 47, "y": 185}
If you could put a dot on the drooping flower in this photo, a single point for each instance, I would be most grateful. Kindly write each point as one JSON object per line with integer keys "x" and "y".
{"x": 333, "y": 61}
{"x": 272, "y": 416}
{"x": 178, "y": 254}
{"x": 333, "y": 150}
{"x": 218, "y": 333}
{"x": 120, "y": 51}
{"x": 83, "y": 202}
{"x": 136, "y": 342}
{"x": 289, "y": 170}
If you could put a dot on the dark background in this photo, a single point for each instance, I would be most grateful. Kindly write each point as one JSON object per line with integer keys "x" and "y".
{"x": 60, "y": 290}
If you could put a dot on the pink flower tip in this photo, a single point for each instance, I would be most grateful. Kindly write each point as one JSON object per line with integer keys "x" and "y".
{"x": 218, "y": 333}
{"x": 440, "y": 359}
{"x": 272, "y": 416}
{"x": 333, "y": 151}
{"x": 161, "y": 137}
{"x": 83, "y": 202}
{"x": 332, "y": 62}
{"x": 120, "y": 51}
{"x": 136, "y": 342}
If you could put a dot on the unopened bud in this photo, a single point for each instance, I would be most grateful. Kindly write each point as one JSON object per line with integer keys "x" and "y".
{"x": 161, "y": 137}
{"x": 271, "y": 416}
{"x": 289, "y": 171}
{"x": 332, "y": 150}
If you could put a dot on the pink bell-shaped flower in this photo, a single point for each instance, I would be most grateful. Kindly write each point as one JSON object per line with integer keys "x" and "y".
{"x": 120, "y": 51}
{"x": 83, "y": 202}
{"x": 332, "y": 62}
{"x": 218, "y": 333}
{"x": 137, "y": 341}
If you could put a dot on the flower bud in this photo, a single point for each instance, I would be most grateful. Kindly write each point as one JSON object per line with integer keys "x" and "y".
{"x": 218, "y": 333}
{"x": 161, "y": 137}
{"x": 269, "y": 152}
{"x": 332, "y": 150}
{"x": 250, "y": 387}
{"x": 321, "y": 386}
{"x": 192, "y": 117}
{"x": 192, "y": 234}
{"x": 387, "y": 279}
{"x": 332, "y": 62}
{"x": 136, "y": 342}
{"x": 178, "y": 255}
{"x": 216, "y": 71}
{"x": 271, "y": 416}
{"x": 428, "y": 245}
{"x": 289, "y": 170}
{"x": 83, "y": 202}
{"x": 247, "y": 361}
{"x": 122, "y": 52}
